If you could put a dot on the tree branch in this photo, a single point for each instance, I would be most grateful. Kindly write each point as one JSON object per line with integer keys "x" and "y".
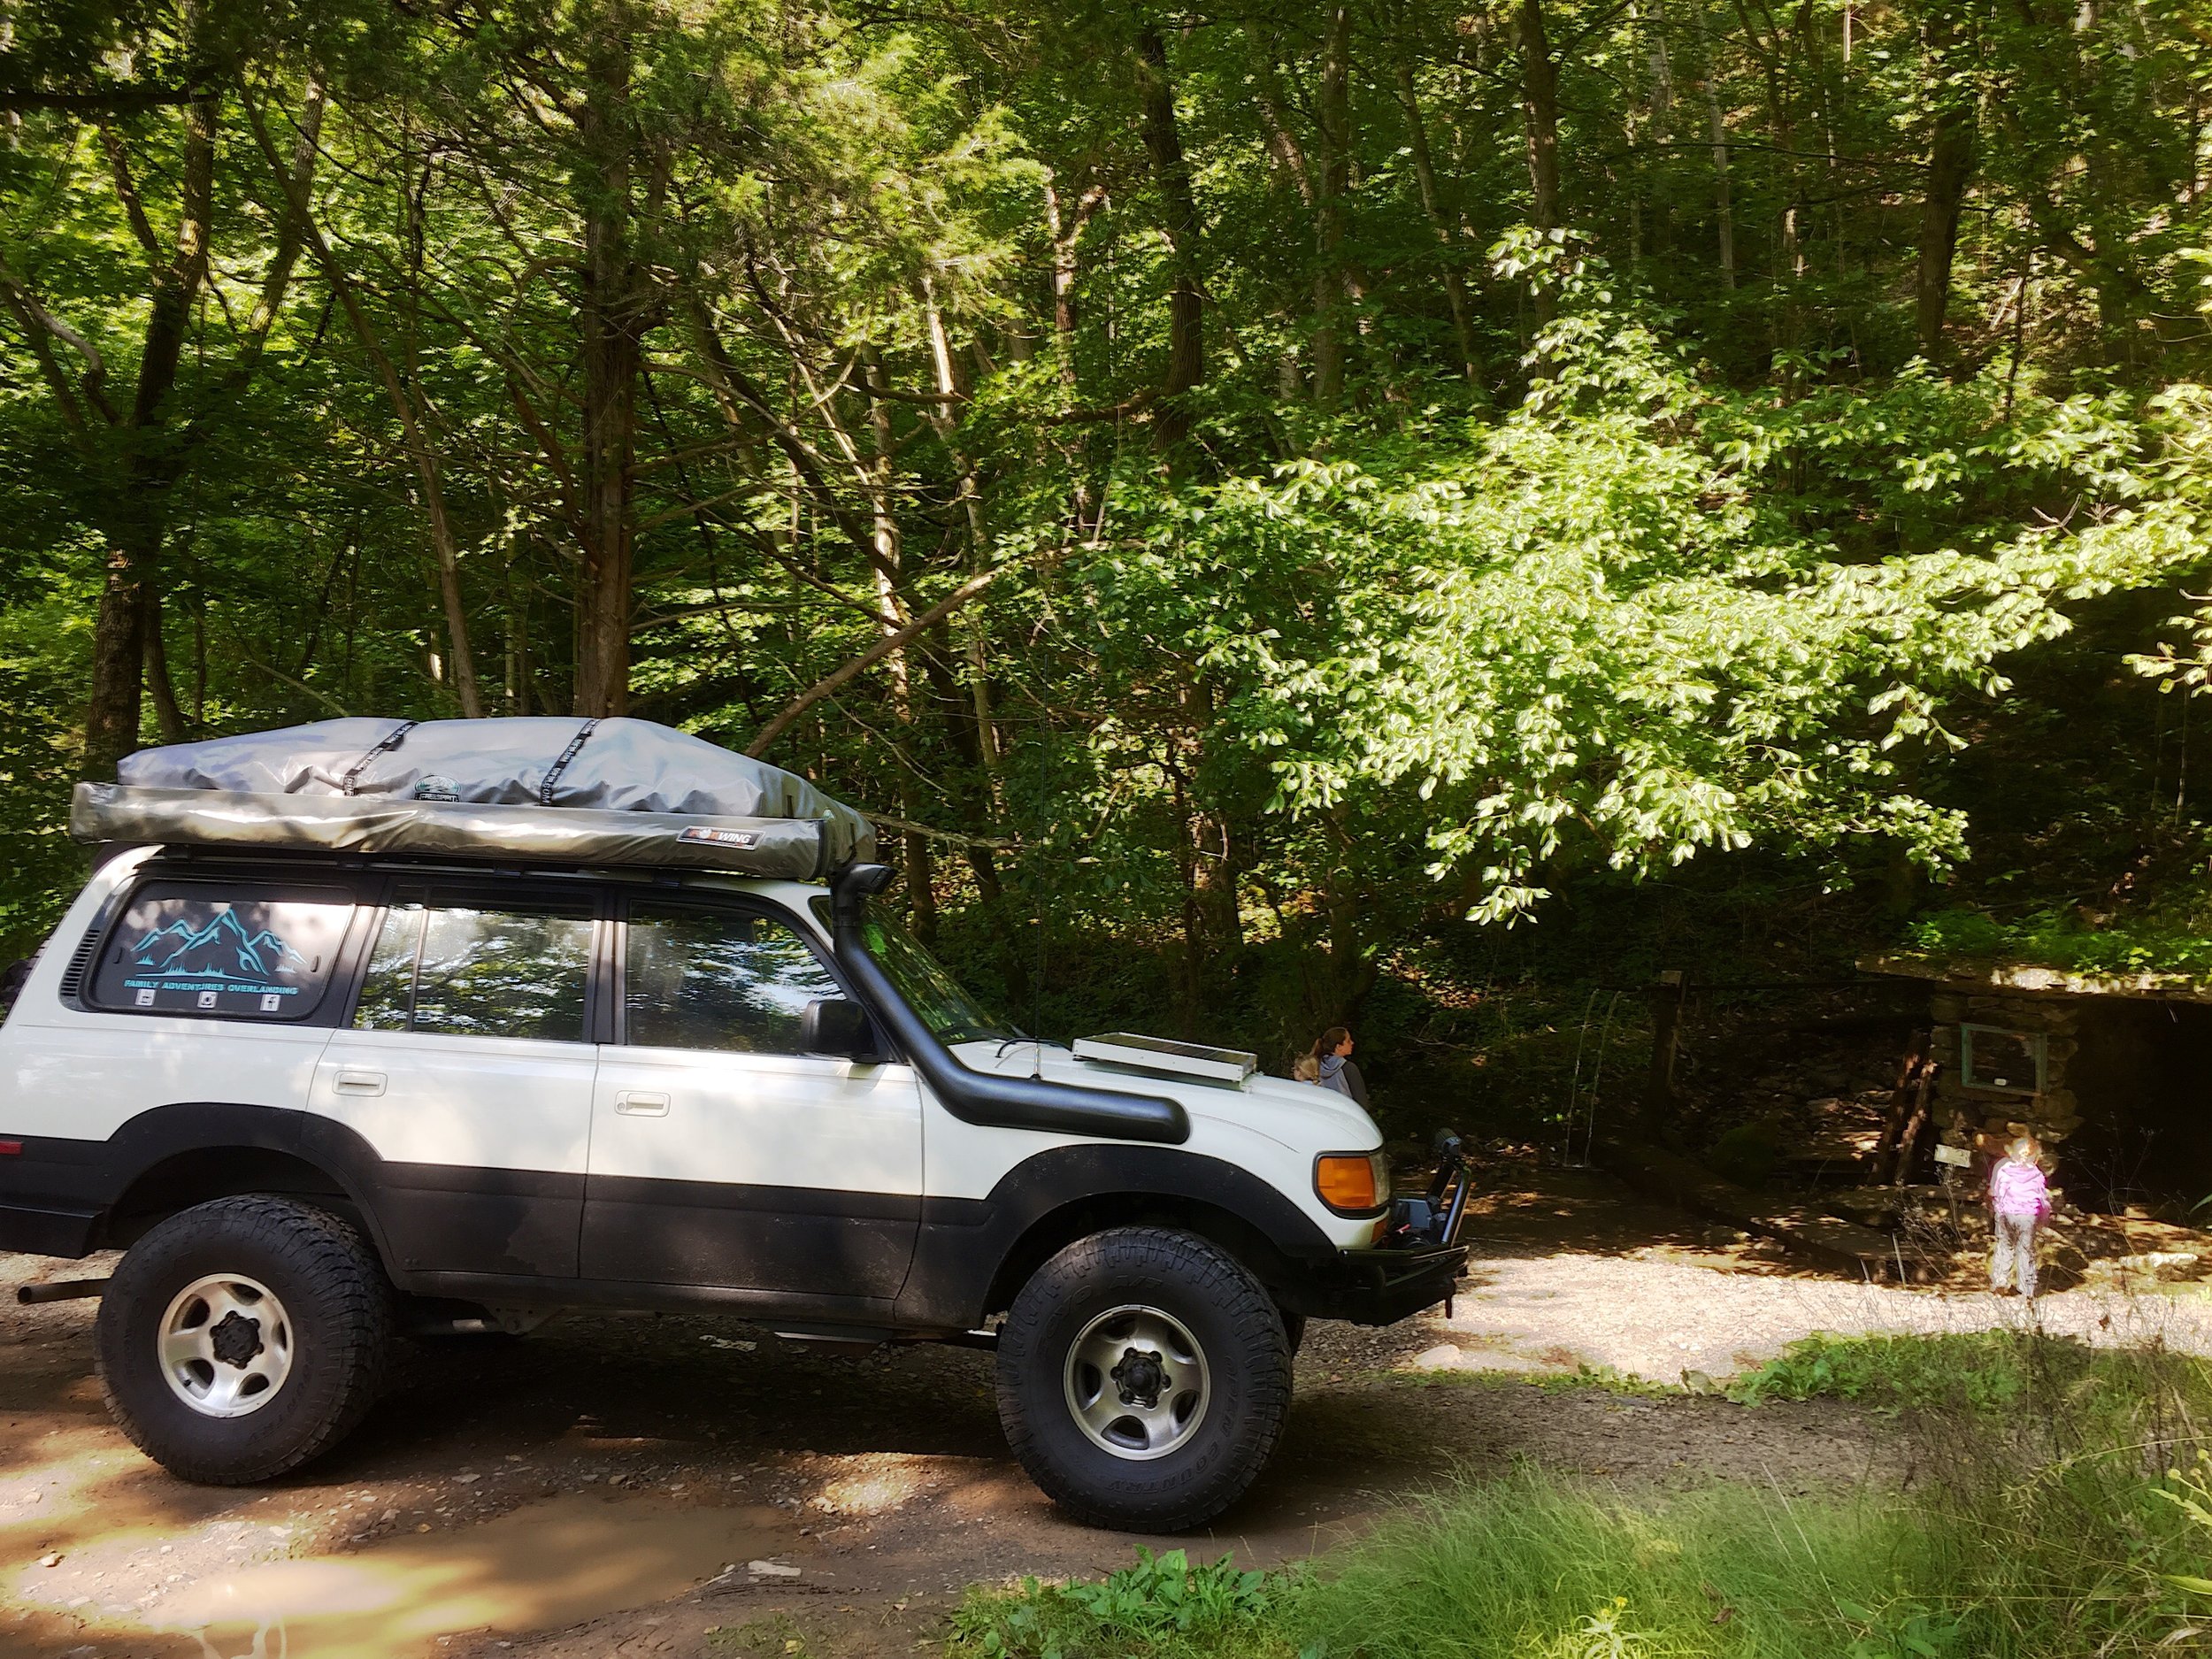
{"x": 904, "y": 826}
{"x": 38, "y": 323}
{"x": 127, "y": 193}
{"x": 876, "y": 653}
{"x": 112, "y": 100}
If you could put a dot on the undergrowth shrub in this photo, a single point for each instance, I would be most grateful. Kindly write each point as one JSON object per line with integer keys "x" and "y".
{"x": 1980, "y": 1372}
{"x": 1162, "y": 1604}
{"x": 1530, "y": 1567}
{"x": 2037, "y": 1499}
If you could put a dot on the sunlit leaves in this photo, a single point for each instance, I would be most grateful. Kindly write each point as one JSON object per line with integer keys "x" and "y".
{"x": 1609, "y": 627}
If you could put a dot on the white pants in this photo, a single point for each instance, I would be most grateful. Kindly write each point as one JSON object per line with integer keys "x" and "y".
{"x": 2012, "y": 1253}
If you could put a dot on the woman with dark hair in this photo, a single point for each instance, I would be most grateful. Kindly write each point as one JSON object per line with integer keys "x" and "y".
{"x": 1332, "y": 1067}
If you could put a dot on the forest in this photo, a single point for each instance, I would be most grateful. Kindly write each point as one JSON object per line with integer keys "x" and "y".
{"x": 1382, "y": 510}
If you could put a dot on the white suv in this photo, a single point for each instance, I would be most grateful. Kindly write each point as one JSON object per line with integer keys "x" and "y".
{"x": 320, "y": 1098}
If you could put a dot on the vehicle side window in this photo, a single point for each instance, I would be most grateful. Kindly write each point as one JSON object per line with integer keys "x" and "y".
{"x": 477, "y": 970}
{"x": 703, "y": 980}
{"x": 222, "y": 952}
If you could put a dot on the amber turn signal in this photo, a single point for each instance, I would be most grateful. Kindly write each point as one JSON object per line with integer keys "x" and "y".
{"x": 1351, "y": 1183}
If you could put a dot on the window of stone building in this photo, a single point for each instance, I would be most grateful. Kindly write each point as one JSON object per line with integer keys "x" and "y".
{"x": 2005, "y": 1062}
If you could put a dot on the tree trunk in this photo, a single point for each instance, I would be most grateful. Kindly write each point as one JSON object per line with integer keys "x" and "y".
{"x": 611, "y": 323}
{"x": 920, "y": 877}
{"x": 128, "y": 655}
{"x": 1432, "y": 205}
{"x": 1950, "y": 166}
{"x": 979, "y": 541}
{"x": 1724, "y": 208}
{"x": 1661, "y": 115}
{"x": 1539, "y": 105}
{"x": 168, "y": 718}
{"x": 1062, "y": 228}
{"x": 135, "y": 536}
{"x": 1540, "y": 109}
{"x": 444, "y": 548}
{"x": 1170, "y": 171}
{"x": 1332, "y": 119}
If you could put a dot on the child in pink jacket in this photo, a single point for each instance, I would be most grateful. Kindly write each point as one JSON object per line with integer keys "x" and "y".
{"x": 2019, "y": 1199}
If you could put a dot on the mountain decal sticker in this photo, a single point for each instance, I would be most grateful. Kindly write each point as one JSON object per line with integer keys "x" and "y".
{"x": 220, "y": 950}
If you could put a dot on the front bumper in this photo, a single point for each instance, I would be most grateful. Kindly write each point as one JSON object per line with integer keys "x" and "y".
{"x": 1379, "y": 1286}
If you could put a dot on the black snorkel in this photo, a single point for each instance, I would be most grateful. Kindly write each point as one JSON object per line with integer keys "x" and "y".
{"x": 982, "y": 1097}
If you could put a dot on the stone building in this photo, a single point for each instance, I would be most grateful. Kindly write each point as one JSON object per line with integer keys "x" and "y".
{"x": 2112, "y": 1075}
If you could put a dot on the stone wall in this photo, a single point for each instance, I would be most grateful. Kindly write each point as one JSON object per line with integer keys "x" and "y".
{"x": 1984, "y": 1118}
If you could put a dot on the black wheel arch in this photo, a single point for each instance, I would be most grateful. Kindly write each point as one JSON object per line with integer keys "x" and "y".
{"x": 973, "y": 1255}
{"x": 186, "y": 1178}
{"x": 169, "y": 1158}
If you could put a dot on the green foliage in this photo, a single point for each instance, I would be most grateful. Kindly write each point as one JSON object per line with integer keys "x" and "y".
{"x": 2168, "y": 941}
{"x": 1979, "y": 1373}
{"x": 35, "y": 772}
{"x": 1593, "y": 557}
{"x": 1529, "y": 1566}
{"x": 1748, "y": 1152}
{"x": 1606, "y": 629}
{"x": 1161, "y": 1605}
{"x": 2041, "y": 1518}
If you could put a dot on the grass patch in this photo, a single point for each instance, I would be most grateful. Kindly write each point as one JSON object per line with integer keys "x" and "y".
{"x": 1532, "y": 1568}
{"x": 1980, "y": 1372}
{"x": 2061, "y": 1504}
{"x": 1162, "y": 1605}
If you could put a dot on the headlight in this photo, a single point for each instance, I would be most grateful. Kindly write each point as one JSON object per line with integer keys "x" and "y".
{"x": 1353, "y": 1183}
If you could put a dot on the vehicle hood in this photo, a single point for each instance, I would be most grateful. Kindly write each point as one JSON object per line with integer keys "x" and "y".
{"x": 1304, "y": 1117}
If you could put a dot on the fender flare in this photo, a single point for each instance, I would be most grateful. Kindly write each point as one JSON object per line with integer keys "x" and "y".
{"x": 966, "y": 1245}
{"x": 106, "y": 1170}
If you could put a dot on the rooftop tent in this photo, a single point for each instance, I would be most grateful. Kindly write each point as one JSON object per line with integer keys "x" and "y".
{"x": 613, "y": 791}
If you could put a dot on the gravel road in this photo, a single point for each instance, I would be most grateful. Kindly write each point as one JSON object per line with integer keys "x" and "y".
{"x": 1572, "y": 1271}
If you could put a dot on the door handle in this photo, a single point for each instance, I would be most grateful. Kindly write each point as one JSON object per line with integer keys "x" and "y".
{"x": 359, "y": 1083}
{"x": 640, "y": 1103}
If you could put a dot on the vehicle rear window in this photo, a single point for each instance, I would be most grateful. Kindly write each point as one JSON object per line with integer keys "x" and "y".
{"x": 223, "y": 953}
{"x": 478, "y": 971}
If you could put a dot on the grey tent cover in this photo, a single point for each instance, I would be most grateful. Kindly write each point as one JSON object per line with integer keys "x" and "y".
{"x": 612, "y": 790}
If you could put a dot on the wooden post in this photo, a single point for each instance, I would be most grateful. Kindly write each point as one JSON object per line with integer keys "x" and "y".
{"x": 1901, "y": 1100}
{"x": 1667, "y": 995}
{"x": 1923, "y": 1084}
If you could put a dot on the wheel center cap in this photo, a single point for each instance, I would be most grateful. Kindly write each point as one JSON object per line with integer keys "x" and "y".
{"x": 1141, "y": 1377}
{"x": 235, "y": 1339}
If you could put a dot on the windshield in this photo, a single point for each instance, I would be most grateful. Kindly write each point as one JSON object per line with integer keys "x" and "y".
{"x": 949, "y": 1012}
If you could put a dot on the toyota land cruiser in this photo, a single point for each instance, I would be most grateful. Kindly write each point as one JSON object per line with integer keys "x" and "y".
{"x": 319, "y": 1097}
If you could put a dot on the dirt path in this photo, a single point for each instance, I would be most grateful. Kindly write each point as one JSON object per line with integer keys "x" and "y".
{"x": 604, "y": 1486}
{"x": 1573, "y": 1272}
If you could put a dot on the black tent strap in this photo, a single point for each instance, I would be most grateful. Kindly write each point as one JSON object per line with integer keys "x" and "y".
{"x": 390, "y": 742}
{"x": 553, "y": 772}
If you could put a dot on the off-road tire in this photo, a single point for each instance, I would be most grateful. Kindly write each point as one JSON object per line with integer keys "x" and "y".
{"x": 1247, "y": 1354}
{"x": 338, "y": 1308}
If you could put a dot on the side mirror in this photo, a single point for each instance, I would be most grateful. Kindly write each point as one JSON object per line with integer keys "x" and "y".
{"x": 834, "y": 1025}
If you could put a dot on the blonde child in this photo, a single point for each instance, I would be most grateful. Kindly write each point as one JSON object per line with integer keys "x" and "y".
{"x": 2019, "y": 1202}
